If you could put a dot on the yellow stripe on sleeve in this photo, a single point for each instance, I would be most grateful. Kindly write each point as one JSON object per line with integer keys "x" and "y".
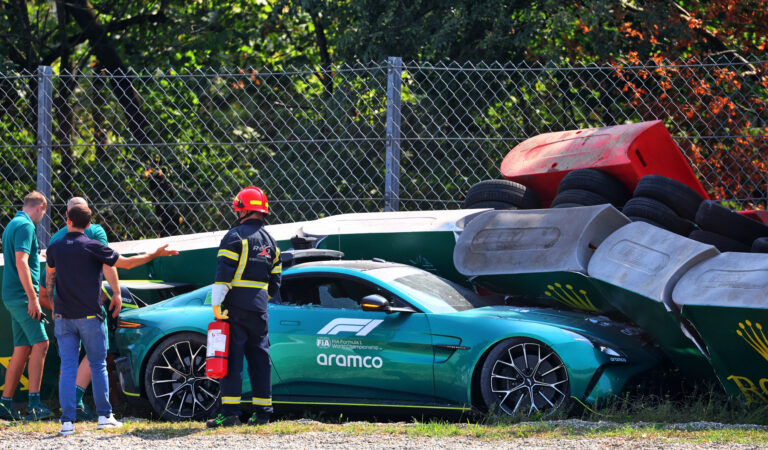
{"x": 228, "y": 254}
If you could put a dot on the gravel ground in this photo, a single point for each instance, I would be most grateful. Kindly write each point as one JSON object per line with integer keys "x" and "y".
{"x": 324, "y": 440}
{"x": 89, "y": 438}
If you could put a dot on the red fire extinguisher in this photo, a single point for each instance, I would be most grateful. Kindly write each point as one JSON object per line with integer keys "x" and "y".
{"x": 218, "y": 349}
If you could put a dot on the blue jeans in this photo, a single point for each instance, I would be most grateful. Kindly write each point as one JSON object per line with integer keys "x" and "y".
{"x": 93, "y": 334}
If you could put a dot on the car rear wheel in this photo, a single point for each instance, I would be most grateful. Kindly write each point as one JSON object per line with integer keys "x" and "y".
{"x": 523, "y": 376}
{"x": 175, "y": 381}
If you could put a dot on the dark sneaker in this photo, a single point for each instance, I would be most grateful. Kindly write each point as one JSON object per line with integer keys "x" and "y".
{"x": 223, "y": 421}
{"x": 9, "y": 413}
{"x": 39, "y": 412}
{"x": 84, "y": 414}
{"x": 258, "y": 419}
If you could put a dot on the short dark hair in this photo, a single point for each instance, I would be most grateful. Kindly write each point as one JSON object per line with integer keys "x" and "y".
{"x": 80, "y": 215}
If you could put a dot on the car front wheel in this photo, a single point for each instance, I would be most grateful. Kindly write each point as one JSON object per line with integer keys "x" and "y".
{"x": 175, "y": 381}
{"x": 523, "y": 376}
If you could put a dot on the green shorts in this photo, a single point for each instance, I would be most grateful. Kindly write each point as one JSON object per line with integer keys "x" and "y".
{"x": 26, "y": 330}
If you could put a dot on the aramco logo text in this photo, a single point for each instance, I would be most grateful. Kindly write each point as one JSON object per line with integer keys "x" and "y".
{"x": 367, "y": 362}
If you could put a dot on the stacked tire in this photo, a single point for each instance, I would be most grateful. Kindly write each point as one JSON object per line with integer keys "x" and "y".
{"x": 501, "y": 194}
{"x": 665, "y": 203}
{"x": 587, "y": 187}
{"x": 729, "y": 231}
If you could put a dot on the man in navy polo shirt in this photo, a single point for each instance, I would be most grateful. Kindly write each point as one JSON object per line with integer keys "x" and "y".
{"x": 95, "y": 232}
{"x": 74, "y": 268}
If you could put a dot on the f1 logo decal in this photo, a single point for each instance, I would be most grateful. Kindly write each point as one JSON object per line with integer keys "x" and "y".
{"x": 361, "y": 327}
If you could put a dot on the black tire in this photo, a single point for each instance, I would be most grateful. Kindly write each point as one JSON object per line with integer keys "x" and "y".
{"x": 657, "y": 213}
{"x": 175, "y": 382}
{"x": 598, "y": 182}
{"x": 683, "y": 200}
{"x": 722, "y": 243}
{"x": 492, "y": 205}
{"x": 760, "y": 245}
{"x": 579, "y": 197}
{"x": 716, "y": 218}
{"x": 503, "y": 191}
{"x": 509, "y": 370}
{"x": 567, "y": 205}
{"x": 646, "y": 220}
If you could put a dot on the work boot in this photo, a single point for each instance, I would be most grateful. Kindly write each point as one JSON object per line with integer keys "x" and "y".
{"x": 258, "y": 419}
{"x": 8, "y": 412}
{"x": 223, "y": 421}
{"x": 84, "y": 414}
{"x": 37, "y": 412}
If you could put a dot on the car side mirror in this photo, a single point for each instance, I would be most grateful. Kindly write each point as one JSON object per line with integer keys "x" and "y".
{"x": 375, "y": 302}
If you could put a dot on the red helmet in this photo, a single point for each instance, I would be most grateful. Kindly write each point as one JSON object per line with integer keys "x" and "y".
{"x": 251, "y": 199}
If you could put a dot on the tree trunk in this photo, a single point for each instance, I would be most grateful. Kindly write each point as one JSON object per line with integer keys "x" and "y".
{"x": 63, "y": 110}
{"x": 131, "y": 103}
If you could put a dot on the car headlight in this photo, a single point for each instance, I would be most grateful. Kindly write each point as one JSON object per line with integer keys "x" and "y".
{"x": 602, "y": 347}
{"x": 608, "y": 350}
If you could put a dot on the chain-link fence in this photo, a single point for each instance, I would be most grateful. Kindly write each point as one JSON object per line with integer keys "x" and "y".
{"x": 162, "y": 153}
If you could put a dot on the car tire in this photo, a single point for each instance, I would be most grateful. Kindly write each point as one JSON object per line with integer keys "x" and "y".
{"x": 175, "y": 382}
{"x": 720, "y": 242}
{"x": 646, "y": 220}
{"x": 567, "y": 205}
{"x": 716, "y": 218}
{"x": 760, "y": 245}
{"x": 579, "y": 197}
{"x": 598, "y": 182}
{"x": 492, "y": 205}
{"x": 505, "y": 371}
{"x": 503, "y": 191}
{"x": 683, "y": 200}
{"x": 658, "y": 213}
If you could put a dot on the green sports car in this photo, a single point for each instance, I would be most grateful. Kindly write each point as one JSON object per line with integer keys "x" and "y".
{"x": 385, "y": 335}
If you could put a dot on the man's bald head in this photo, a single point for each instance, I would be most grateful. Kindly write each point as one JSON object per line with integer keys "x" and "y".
{"x": 75, "y": 201}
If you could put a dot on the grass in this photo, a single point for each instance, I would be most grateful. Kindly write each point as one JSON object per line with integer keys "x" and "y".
{"x": 546, "y": 430}
{"x": 700, "y": 416}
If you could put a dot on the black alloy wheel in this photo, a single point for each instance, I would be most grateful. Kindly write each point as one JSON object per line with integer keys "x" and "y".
{"x": 175, "y": 381}
{"x": 522, "y": 376}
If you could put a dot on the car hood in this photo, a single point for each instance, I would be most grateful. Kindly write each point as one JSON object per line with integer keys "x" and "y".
{"x": 601, "y": 328}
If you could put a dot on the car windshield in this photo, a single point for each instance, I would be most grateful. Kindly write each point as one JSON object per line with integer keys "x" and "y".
{"x": 440, "y": 295}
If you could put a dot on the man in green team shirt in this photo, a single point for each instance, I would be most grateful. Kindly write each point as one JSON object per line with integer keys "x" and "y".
{"x": 95, "y": 232}
{"x": 21, "y": 277}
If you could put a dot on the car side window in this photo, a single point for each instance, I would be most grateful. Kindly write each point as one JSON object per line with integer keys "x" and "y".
{"x": 299, "y": 291}
{"x": 338, "y": 293}
{"x": 334, "y": 295}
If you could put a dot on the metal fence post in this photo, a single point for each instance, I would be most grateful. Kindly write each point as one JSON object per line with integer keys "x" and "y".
{"x": 44, "y": 136}
{"x": 392, "y": 177}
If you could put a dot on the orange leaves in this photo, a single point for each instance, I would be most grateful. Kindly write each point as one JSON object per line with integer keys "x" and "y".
{"x": 688, "y": 111}
{"x": 252, "y": 75}
{"x": 702, "y": 88}
{"x": 694, "y": 23}
{"x": 629, "y": 32}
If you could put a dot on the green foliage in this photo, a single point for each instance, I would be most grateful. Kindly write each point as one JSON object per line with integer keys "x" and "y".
{"x": 199, "y": 128}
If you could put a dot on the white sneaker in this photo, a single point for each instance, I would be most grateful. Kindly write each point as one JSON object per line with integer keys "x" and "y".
{"x": 67, "y": 428}
{"x": 108, "y": 422}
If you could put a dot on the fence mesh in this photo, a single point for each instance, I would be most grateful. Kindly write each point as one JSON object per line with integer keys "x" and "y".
{"x": 162, "y": 153}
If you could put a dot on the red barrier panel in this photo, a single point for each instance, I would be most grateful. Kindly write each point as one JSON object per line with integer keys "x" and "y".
{"x": 760, "y": 215}
{"x": 627, "y": 152}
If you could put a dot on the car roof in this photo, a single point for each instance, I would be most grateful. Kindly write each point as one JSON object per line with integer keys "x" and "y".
{"x": 361, "y": 265}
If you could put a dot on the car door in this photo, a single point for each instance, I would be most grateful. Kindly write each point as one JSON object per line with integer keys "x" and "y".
{"x": 324, "y": 345}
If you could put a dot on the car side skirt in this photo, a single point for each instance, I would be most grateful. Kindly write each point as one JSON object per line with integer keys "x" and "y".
{"x": 366, "y": 403}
